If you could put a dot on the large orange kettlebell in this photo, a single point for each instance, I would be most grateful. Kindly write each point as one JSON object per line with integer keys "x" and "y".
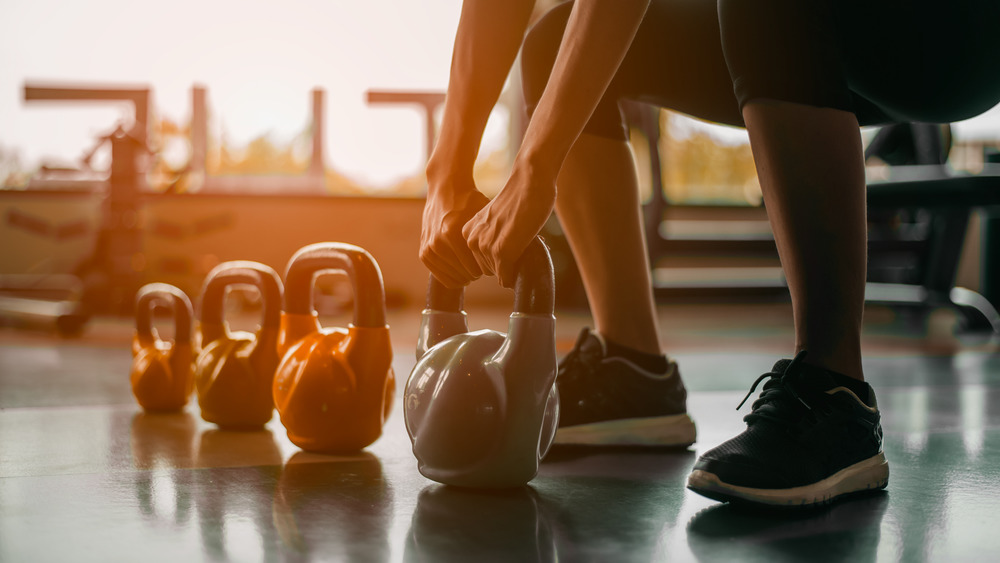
{"x": 481, "y": 408}
{"x": 334, "y": 387}
{"x": 234, "y": 370}
{"x": 162, "y": 371}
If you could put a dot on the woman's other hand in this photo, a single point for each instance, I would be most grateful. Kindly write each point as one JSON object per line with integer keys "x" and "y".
{"x": 498, "y": 234}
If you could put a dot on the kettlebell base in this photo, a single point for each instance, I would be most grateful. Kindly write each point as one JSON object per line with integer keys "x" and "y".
{"x": 345, "y": 446}
{"x": 241, "y": 427}
{"x": 474, "y": 480}
{"x": 159, "y": 409}
{"x": 234, "y": 425}
{"x": 163, "y": 402}
{"x": 676, "y": 430}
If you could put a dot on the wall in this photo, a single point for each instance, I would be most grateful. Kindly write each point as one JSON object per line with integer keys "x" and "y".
{"x": 186, "y": 235}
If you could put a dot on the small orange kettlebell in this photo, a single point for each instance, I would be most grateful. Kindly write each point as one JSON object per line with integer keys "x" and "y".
{"x": 234, "y": 370}
{"x": 334, "y": 387}
{"x": 162, "y": 371}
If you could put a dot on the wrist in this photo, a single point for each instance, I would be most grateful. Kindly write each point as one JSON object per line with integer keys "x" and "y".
{"x": 543, "y": 149}
{"x": 446, "y": 172}
{"x": 541, "y": 167}
{"x": 454, "y": 156}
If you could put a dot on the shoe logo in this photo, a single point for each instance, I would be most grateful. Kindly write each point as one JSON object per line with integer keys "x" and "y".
{"x": 671, "y": 368}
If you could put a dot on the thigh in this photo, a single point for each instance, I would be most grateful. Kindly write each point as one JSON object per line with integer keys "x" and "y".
{"x": 922, "y": 60}
{"x": 675, "y": 62}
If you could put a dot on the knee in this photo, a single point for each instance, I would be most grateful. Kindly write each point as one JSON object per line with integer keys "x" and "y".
{"x": 538, "y": 53}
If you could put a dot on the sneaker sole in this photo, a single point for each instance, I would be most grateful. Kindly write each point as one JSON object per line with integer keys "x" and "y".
{"x": 871, "y": 474}
{"x": 672, "y": 430}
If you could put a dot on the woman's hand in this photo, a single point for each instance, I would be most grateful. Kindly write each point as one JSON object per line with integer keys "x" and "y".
{"x": 443, "y": 250}
{"x": 499, "y": 233}
{"x": 486, "y": 44}
{"x": 597, "y": 36}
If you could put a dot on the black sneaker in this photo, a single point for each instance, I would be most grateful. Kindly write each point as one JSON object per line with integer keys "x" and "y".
{"x": 808, "y": 441}
{"x": 613, "y": 402}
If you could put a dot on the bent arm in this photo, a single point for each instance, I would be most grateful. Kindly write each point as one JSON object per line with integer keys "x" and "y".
{"x": 488, "y": 38}
{"x": 487, "y": 41}
{"x": 597, "y": 37}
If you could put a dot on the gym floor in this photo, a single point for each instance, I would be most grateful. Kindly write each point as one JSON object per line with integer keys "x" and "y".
{"x": 85, "y": 475}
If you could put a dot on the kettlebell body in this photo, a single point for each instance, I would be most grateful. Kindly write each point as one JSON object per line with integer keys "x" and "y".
{"x": 161, "y": 374}
{"x": 481, "y": 408}
{"x": 334, "y": 387}
{"x": 235, "y": 369}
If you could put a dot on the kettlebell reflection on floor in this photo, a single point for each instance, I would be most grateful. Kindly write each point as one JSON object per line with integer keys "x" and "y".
{"x": 510, "y": 524}
{"x": 233, "y": 491}
{"x": 164, "y": 442}
{"x": 585, "y": 501}
{"x": 221, "y": 481}
{"x": 334, "y": 508}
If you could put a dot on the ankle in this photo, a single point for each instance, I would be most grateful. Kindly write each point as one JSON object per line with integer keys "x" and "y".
{"x": 655, "y": 363}
{"x": 847, "y": 364}
{"x": 856, "y": 385}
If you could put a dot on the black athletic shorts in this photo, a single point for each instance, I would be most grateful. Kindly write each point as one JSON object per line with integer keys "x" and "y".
{"x": 884, "y": 60}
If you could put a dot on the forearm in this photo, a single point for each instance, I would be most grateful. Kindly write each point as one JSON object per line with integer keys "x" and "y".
{"x": 488, "y": 39}
{"x": 597, "y": 37}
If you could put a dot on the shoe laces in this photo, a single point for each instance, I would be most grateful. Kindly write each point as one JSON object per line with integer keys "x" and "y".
{"x": 779, "y": 401}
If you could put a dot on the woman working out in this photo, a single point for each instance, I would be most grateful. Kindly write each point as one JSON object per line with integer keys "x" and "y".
{"x": 801, "y": 77}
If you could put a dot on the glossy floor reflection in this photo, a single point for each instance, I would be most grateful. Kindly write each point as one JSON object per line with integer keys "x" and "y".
{"x": 85, "y": 475}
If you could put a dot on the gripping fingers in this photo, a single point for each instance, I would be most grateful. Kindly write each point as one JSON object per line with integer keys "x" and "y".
{"x": 478, "y": 245}
{"x": 446, "y": 253}
{"x": 445, "y": 267}
{"x": 466, "y": 259}
{"x": 507, "y": 274}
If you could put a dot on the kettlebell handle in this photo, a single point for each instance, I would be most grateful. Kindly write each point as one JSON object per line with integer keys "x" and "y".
{"x": 243, "y": 272}
{"x": 534, "y": 288}
{"x": 154, "y": 295}
{"x": 354, "y": 261}
{"x": 443, "y": 298}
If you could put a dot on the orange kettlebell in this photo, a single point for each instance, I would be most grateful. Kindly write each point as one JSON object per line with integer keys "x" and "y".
{"x": 234, "y": 370}
{"x": 161, "y": 371}
{"x": 334, "y": 387}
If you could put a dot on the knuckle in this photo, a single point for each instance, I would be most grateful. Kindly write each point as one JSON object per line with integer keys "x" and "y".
{"x": 425, "y": 254}
{"x": 436, "y": 245}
